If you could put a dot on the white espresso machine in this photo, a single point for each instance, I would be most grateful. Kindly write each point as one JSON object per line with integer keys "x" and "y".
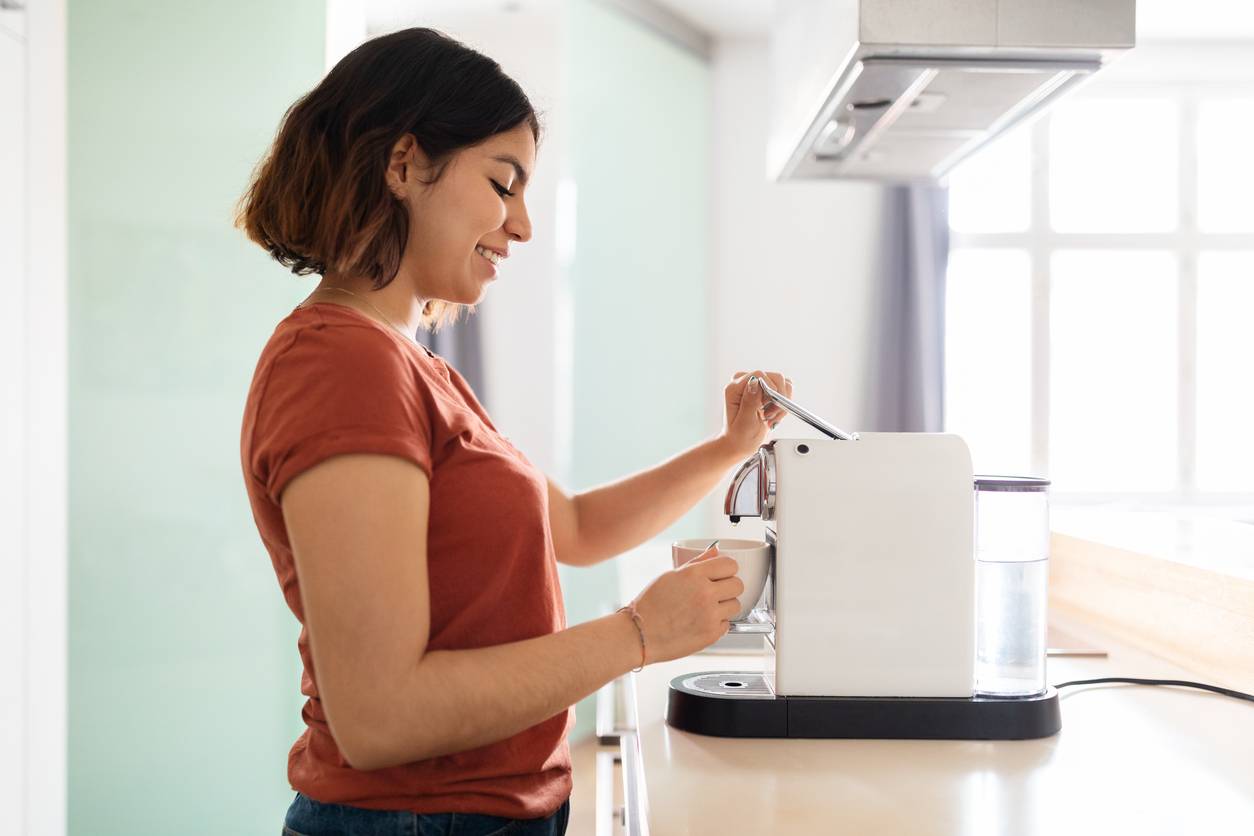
{"x": 869, "y": 610}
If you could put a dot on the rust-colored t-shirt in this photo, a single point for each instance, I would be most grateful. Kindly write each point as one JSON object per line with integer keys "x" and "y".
{"x": 332, "y": 381}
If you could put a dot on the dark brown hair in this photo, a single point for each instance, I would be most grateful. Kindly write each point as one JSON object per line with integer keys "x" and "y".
{"x": 318, "y": 200}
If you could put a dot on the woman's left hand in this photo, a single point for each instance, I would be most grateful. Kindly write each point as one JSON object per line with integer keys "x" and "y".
{"x": 749, "y": 413}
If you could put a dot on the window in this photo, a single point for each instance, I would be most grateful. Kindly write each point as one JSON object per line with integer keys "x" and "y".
{"x": 1100, "y": 304}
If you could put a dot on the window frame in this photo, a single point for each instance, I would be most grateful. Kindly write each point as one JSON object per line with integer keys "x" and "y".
{"x": 1040, "y": 241}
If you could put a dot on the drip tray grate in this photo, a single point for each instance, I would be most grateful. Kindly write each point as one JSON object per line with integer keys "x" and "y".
{"x": 730, "y": 685}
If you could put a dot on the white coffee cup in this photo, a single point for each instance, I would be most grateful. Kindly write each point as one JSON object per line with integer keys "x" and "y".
{"x": 752, "y": 556}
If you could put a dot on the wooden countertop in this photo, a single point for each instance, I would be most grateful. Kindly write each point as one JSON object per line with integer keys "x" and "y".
{"x": 1129, "y": 759}
{"x": 1181, "y": 588}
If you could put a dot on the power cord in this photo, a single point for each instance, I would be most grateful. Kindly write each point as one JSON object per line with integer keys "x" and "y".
{"x": 1240, "y": 695}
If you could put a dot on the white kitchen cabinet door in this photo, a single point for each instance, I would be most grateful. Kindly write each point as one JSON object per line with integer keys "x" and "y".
{"x": 13, "y": 122}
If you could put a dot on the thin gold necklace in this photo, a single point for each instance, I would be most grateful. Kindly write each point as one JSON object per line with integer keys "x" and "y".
{"x": 372, "y": 304}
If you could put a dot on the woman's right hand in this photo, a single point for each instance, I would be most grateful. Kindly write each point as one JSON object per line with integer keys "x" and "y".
{"x": 688, "y": 608}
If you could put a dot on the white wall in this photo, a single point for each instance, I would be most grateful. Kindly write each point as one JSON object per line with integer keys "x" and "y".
{"x": 346, "y": 29}
{"x": 794, "y": 266}
{"x": 1183, "y": 63}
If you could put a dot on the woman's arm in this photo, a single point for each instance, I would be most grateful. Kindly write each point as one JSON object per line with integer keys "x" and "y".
{"x": 358, "y": 530}
{"x": 613, "y": 518}
{"x": 616, "y": 517}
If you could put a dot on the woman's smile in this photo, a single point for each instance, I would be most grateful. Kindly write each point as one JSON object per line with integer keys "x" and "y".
{"x": 491, "y": 255}
{"x": 491, "y": 258}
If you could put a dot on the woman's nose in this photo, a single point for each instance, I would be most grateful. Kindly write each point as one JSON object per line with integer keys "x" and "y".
{"x": 518, "y": 223}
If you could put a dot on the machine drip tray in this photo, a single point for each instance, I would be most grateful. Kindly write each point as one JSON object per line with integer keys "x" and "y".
{"x": 741, "y": 704}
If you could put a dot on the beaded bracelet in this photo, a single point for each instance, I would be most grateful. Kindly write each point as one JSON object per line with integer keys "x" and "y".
{"x": 630, "y": 609}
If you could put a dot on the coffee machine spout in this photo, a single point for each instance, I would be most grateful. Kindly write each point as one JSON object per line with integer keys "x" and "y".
{"x": 752, "y": 489}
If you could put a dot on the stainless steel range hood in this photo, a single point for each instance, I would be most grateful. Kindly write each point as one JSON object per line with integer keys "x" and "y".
{"x": 903, "y": 90}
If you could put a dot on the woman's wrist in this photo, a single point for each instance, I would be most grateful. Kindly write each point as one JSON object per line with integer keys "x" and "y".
{"x": 728, "y": 450}
{"x": 638, "y": 632}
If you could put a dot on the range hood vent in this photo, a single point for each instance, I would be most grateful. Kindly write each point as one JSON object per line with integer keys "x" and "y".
{"x": 924, "y": 85}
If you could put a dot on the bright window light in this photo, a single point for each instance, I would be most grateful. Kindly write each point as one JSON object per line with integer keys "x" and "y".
{"x": 1225, "y": 381}
{"x": 1113, "y": 166}
{"x": 1100, "y": 307}
{"x": 1113, "y": 371}
{"x": 989, "y": 192}
{"x": 1225, "y": 166}
{"x": 988, "y": 327}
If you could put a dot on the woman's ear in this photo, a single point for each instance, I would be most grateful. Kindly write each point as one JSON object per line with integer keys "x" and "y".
{"x": 404, "y": 165}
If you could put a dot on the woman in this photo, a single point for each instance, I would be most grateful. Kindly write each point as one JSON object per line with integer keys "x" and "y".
{"x": 416, "y": 546}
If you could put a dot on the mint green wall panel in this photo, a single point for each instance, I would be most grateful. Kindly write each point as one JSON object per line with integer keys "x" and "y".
{"x": 639, "y": 148}
{"x": 183, "y": 669}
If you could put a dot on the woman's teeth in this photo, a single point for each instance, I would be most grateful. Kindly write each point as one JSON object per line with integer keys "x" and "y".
{"x": 495, "y": 258}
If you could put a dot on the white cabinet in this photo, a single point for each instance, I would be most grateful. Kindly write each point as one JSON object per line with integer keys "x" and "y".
{"x": 620, "y": 801}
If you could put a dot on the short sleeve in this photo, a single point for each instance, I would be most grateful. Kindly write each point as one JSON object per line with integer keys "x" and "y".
{"x": 339, "y": 390}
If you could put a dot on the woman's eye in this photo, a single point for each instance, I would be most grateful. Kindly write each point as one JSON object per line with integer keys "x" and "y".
{"x": 501, "y": 190}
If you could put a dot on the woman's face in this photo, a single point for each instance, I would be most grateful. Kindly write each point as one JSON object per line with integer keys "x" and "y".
{"x": 461, "y": 227}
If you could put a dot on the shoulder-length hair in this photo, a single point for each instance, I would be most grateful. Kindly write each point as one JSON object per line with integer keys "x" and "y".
{"x": 318, "y": 200}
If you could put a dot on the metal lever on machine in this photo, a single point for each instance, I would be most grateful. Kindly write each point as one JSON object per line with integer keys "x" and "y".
{"x": 805, "y": 415}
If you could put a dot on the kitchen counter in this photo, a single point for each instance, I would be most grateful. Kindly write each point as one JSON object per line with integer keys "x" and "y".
{"x": 1181, "y": 588}
{"x": 1129, "y": 759}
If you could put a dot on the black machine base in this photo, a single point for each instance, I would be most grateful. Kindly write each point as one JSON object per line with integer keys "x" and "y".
{"x": 738, "y": 704}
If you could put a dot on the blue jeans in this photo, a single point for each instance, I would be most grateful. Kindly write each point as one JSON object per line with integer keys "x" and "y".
{"x": 307, "y": 817}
